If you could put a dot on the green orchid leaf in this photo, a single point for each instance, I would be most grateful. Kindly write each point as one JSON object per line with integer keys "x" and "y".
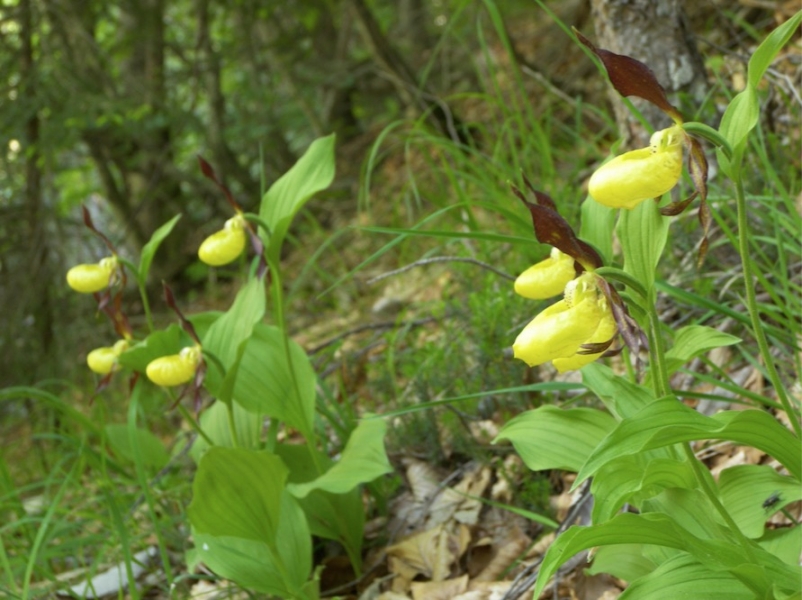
{"x": 643, "y": 232}
{"x": 265, "y": 384}
{"x": 598, "y": 223}
{"x": 157, "y": 344}
{"x": 237, "y": 493}
{"x": 752, "y": 493}
{"x": 764, "y": 55}
{"x": 667, "y": 421}
{"x": 684, "y": 577}
{"x": 552, "y": 438}
{"x": 633, "y": 478}
{"x": 151, "y": 448}
{"x": 313, "y": 172}
{"x": 621, "y": 397}
{"x": 661, "y": 530}
{"x": 785, "y": 544}
{"x": 149, "y": 249}
{"x": 281, "y": 568}
{"x": 214, "y": 423}
{"x": 363, "y": 459}
{"x": 694, "y": 340}
{"x": 226, "y": 337}
{"x": 624, "y": 561}
{"x": 338, "y": 517}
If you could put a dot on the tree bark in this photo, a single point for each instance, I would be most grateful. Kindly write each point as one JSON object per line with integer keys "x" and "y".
{"x": 656, "y": 33}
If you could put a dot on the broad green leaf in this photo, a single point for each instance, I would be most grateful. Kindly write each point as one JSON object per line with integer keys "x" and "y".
{"x": 667, "y": 421}
{"x": 745, "y": 489}
{"x": 214, "y": 423}
{"x": 363, "y": 459}
{"x": 643, "y": 232}
{"x": 227, "y": 336}
{"x": 785, "y": 543}
{"x": 768, "y": 49}
{"x": 693, "y": 340}
{"x": 149, "y": 249}
{"x": 281, "y": 568}
{"x": 685, "y": 577}
{"x": 237, "y": 493}
{"x": 739, "y": 119}
{"x": 151, "y": 448}
{"x": 661, "y": 530}
{"x": 691, "y": 510}
{"x": 621, "y": 397}
{"x": 598, "y": 223}
{"x": 313, "y": 172}
{"x": 632, "y": 478}
{"x": 624, "y": 561}
{"x": 159, "y": 343}
{"x": 552, "y": 438}
{"x": 202, "y": 321}
{"x": 339, "y": 517}
{"x": 265, "y": 383}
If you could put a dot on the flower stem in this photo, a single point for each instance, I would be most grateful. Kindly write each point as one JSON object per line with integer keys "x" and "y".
{"x": 657, "y": 351}
{"x": 751, "y": 304}
{"x": 661, "y": 388}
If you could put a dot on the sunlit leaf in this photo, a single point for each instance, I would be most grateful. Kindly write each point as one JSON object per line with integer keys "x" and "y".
{"x": 150, "y": 447}
{"x": 621, "y": 397}
{"x": 643, "y": 233}
{"x": 266, "y": 385}
{"x": 667, "y": 421}
{"x": 752, "y": 493}
{"x": 237, "y": 493}
{"x": 214, "y": 423}
{"x": 694, "y": 340}
{"x": 149, "y": 249}
{"x": 313, "y": 172}
{"x": 552, "y": 438}
{"x": 363, "y": 459}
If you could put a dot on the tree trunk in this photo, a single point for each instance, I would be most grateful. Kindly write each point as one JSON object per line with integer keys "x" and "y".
{"x": 39, "y": 299}
{"x": 656, "y": 33}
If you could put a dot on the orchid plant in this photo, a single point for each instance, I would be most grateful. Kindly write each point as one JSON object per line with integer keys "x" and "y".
{"x": 660, "y": 521}
{"x": 257, "y": 498}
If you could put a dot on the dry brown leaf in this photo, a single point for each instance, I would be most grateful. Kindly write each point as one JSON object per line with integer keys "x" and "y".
{"x": 430, "y": 553}
{"x": 393, "y": 596}
{"x": 423, "y": 480}
{"x": 507, "y": 552}
{"x": 439, "y": 590}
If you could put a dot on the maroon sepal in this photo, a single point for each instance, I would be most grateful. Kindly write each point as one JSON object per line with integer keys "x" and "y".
{"x": 628, "y": 327}
{"x": 551, "y": 228}
{"x": 631, "y": 77}
{"x": 698, "y": 168}
{"x": 91, "y": 226}
{"x": 209, "y": 173}
{"x": 185, "y": 324}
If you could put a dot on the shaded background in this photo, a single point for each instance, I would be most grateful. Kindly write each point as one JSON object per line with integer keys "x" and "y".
{"x": 107, "y": 104}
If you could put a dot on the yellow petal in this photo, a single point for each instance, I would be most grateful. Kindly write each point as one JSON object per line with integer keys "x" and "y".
{"x": 547, "y": 278}
{"x": 558, "y": 331}
{"x": 88, "y": 279}
{"x": 604, "y": 333}
{"x": 224, "y": 246}
{"x": 104, "y": 360}
{"x": 629, "y": 179}
{"x": 174, "y": 369}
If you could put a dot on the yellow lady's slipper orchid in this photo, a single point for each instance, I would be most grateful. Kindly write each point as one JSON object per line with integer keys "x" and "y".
{"x": 104, "y": 360}
{"x": 174, "y": 369}
{"x": 224, "y": 246}
{"x": 88, "y": 279}
{"x": 604, "y": 333}
{"x": 560, "y": 331}
{"x": 547, "y": 278}
{"x": 629, "y": 179}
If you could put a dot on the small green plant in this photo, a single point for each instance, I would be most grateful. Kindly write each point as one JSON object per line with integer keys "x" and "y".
{"x": 258, "y": 498}
{"x": 689, "y": 535}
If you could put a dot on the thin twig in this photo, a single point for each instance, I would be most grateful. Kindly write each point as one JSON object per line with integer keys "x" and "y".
{"x": 436, "y": 259}
{"x": 370, "y": 327}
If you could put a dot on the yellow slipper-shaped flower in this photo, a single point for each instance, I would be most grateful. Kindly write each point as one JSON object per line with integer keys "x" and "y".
{"x": 104, "y": 360}
{"x": 629, "y": 179}
{"x": 547, "y": 278}
{"x": 175, "y": 369}
{"x": 88, "y": 279}
{"x": 226, "y": 245}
